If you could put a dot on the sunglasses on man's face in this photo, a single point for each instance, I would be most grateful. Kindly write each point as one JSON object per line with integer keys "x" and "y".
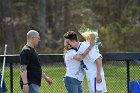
{"x": 37, "y": 38}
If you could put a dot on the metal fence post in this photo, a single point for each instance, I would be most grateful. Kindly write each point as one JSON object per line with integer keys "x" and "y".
{"x": 128, "y": 74}
{"x": 11, "y": 77}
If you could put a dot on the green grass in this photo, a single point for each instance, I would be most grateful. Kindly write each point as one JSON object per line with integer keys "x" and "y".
{"x": 115, "y": 78}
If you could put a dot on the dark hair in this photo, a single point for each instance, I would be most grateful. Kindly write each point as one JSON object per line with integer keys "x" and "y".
{"x": 71, "y": 35}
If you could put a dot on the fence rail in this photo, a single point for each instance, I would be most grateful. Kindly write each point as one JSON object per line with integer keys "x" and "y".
{"x": 57, "y": 58}
{"x": 120, "y": 56}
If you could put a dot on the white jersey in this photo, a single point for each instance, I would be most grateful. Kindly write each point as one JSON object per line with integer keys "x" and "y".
{"x": 91, "y": 68}
{"x": 73, "y": 67}
{"x": 90, "y": 59}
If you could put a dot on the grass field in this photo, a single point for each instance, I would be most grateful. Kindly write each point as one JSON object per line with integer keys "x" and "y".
{"x": 116, "y": 78}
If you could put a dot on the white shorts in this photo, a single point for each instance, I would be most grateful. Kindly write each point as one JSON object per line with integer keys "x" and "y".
{"x": 94, "y": 86}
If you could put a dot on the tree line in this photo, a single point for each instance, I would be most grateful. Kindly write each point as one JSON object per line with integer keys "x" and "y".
{"x": 117, "y": 22}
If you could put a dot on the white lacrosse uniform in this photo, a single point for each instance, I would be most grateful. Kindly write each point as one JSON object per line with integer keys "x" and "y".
{"x": 73, "y": 67}
{"x": 91, "y": 68}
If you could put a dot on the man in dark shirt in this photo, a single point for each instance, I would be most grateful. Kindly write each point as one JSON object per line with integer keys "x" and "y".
{"x": 31, "y": 72}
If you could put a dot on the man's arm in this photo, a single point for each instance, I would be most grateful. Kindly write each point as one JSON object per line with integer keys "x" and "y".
{"x": 23, "y": 73}
{"x": 99, "y": 68}
{"x": 80, "y": 57}
{"x": 48, "y": 80}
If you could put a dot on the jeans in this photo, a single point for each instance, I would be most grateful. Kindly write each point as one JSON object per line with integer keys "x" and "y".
{"x": 73, "y": 85}
{"x": 33, "y": 88}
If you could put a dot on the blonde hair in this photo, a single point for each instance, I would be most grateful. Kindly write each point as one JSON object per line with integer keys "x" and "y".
{"x": 90, "y": 36}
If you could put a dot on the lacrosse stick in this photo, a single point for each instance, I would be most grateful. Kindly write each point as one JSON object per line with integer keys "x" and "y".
{"x": 3, "y": 68}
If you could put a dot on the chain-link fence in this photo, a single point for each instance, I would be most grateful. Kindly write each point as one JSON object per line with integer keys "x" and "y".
{"x": 117, "y": 75}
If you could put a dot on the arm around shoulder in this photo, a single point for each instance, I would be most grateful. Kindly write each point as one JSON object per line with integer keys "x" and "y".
{"x": 80, "y": 57}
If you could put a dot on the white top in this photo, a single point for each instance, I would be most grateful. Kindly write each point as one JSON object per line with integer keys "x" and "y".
{"x": 73, "y": 67}
{"x": 90, "y": 59}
